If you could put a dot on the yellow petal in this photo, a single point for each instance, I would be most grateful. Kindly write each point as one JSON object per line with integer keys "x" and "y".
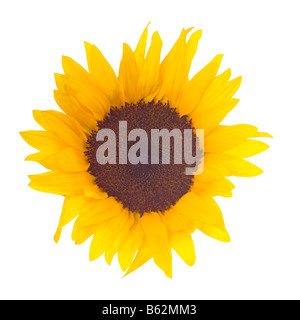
{"x": 62, "y": 183}
{"x": 217, "y": 232}
{"x": 218, "y": 166}
{"x": 67, "y": 159}
{"x": 194, "y": 91}
{"x": 139, "y": 52}
{"x": 58, "y": 156}
{"x": 262, "y": 135}
{"x": 178, "y": 222}
{"x": 94, "y": 212}
{"x": 43, "y": 140}
{"x": 235, "y": 166}
{"x": 87, "y": 95}
{"x": 70, "y": 159}
{"x": 81, "y": 235}
{"x": 70, "y": 210}
{"x": 130, "y": 243}
{"x": 211, "y": 117}
{"x": 88, "y": 48}
{"x": 103, "y": 74}
{"x": 156, "y": 237}
{"x": 174, "y": 71}
{"x": 220, "y": 91}
{"x": 60, "y": 81}
{"x": 212, "y": 170}
{"x": 117, "y": 237}
{"x": 94, "y": 101}
{"x": 97, "y": 246}
{"x": 74, "y": 69}
{"x": 183, "y": 244}
{"x": 97, "y": 211}
{"x": 72, "y": 107}
{"x": 105, "y": 237}
{"x": 209, "y": 98}
{"x": 149, "y": 78}
{"x": 140, "y": 259}
{"x": 93, "y": 191}
{"x": 203, "y": 209}
{"x": 191, "y": 47}
{"x": 207, "y": 213}
{"x": 65, "y": 127}
{"x": 217, "y": 86}
{"x": 221, "y": 187}
{"x": 229, "y": 90}
{"x": 248, "y": 149}
{"x": 128, "y": 75}
{"x": 223, "y": 138}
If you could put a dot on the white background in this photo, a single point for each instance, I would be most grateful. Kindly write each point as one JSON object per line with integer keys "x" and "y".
{"x": 260, "y": 41}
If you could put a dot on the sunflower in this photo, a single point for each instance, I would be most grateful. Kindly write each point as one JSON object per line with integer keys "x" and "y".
{"x": 141, "y": 211}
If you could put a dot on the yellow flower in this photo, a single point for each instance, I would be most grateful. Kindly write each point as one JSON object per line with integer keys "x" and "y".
{"x": 141, "y": 212}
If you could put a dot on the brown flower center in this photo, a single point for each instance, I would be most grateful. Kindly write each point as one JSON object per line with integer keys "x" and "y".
{"x": 142, "y": 187}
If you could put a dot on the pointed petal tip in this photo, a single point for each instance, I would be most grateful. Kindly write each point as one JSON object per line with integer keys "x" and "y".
{"x": 31, "y": 177}
{"x": 267, "y": 135}
{"x": 261, "y": 172}
{"x": 122, "y": 268}
{"x": 30, "y": 184}
{"x": 57, "y": 235}
{"x": 228, "y": 71}
{"x": 91, "y": 257}
{"x": 88, "y": 47}
{"x": 188, "y": 30}
{"x": 28, "y": 158}
{"x": 169, "y": 274}
{"x": 191, "y": 263}
{"x": 127, "y": 273}
{"x": 197, "y": 34}
{"x": 226, "y": 238}
{"x": 23, "y": 134}
{"x": 126, "y": 48}
{"x": 36, "y": 113}
{"x": 258, "y": 171}
{"x": 87, "y": 44}
{"x": 65, "y": 59}
{"x": 218, "y": 58}
{"x": 156, "y": 34}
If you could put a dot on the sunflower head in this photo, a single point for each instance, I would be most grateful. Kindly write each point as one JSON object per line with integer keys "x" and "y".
{"x": 136, "y": 202}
